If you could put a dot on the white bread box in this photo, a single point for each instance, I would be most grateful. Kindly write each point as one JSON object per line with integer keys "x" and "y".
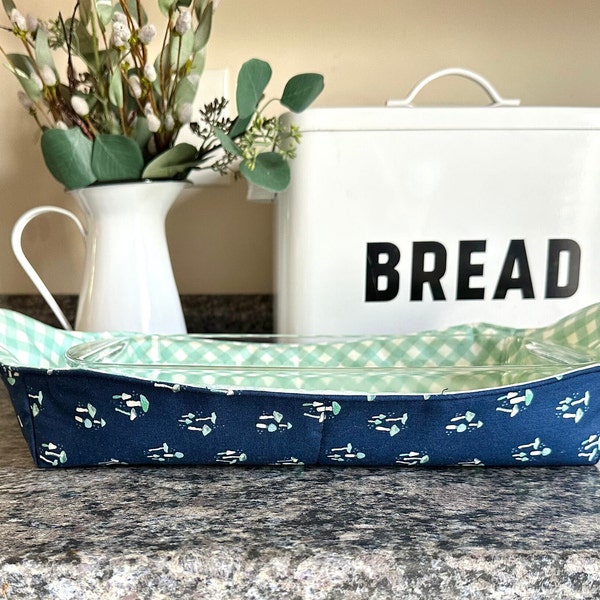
{"x": 400, "y": 219}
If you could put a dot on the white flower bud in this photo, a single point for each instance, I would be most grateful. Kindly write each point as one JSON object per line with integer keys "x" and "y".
{"x": 18, "y": 20}
{"x": 61, "y": 125}
{"x": 25, "y": 100}
{"x": 120, "y": 33}
{"x": 184, "y": 21}
{"x": 120, "y": 25}
{"x": 147, "y": 33}
{"x": 32, "y": 23}
{"x": 150, "y": 72}
{"x": 118, "y": 42}
{"x": 153, "y": 120}
{"x": 153, "y": 123}
{"x": 169, "y": 122}
{"x": 80, "y": 106}
{"x": 48, "y": 76}
{"x": 121, "y": 30}
{"x": 184, "y": 113}
{"x": 119, "y": 17}
{"x": 135, "y": 86}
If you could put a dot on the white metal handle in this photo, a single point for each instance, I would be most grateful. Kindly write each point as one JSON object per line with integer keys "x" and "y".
{"x": 17, "y": 246}
{"x": 497, "y": 99}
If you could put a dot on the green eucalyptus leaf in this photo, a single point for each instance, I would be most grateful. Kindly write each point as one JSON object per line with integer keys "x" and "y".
{"x": 21, "y": 66}
{"x": 21, "y": 63}
{"x": 43, "y": 54}
{"x": 198, "y": 64}
{"x": 165, "y": 6}
{"x": 227, "y": 143}
{"x": 186, "y": 90}
{"x": 174, "y": 162}
{"x": 253, "y": 78}
{"x": 85, "y": 11}
{"x": 30, "y": 88}
{"x": 182, "y": 46}
{"x": 239, "y": 126}
{"x": 116, "y": 158}
{"x": 115, "y": 89}
{"x": 201, "y": 5}
{"x": 202, "y": 33}
{"x": 140, "y": 132}
{"x": 161, "y": 66}
{"x": 301, "y": 91}
{"x": 271, "y": 172}
{"x": 104, "y": 10}
{"x": 9, "y": 6}
{"x": 82, "y": 42}
{"x": 68, "y": 156}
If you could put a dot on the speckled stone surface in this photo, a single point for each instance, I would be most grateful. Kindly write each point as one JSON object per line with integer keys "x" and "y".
{"x": 288, "y": 533}
{"x": 235, "y": 313}
{"x": 291, "y": 533}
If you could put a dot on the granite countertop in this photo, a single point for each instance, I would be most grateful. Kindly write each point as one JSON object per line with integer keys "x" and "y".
{"x": 291, "y": 533}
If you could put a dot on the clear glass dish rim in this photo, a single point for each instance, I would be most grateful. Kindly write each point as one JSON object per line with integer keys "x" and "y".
{"x": 78, "y": 355}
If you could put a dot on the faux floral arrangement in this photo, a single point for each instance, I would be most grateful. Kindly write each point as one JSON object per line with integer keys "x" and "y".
{"x": 117, "y": 114}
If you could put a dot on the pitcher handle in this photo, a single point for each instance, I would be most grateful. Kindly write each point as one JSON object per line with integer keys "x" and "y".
{"x": 17, "y": 248}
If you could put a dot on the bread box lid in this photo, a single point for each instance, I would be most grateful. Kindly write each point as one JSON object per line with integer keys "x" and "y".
{"x": 501, "y": 114}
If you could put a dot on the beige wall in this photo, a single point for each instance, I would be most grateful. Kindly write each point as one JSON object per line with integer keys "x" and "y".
{"x": 547, "y": 52}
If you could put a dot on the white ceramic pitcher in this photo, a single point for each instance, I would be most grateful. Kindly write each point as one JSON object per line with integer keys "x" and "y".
{"x": 128, "y": 282}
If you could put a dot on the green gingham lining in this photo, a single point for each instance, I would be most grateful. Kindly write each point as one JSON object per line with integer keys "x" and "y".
{"x": 25, "y": 342}
{"x": 461, "y": 347}
{"x": 458, "y": 358}
{"x": 455, "y": 360}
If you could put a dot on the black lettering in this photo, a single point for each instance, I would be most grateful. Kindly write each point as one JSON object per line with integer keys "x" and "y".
{"x": 420, "y": 276}
{"x": 515, "y": 257}
{"x": 556, "y": 249}
{"x": 386, "y": 270}
{"x": 466, "y": 270}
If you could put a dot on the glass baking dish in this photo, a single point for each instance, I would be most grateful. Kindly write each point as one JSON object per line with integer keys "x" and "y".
{"x": 430, "y": 363}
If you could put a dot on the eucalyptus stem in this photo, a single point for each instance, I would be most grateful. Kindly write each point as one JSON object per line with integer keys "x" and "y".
{"x": 34, "y": 114}
{"x": 122, "y": 119}
{"x": 176, "y": 78}
{"x": 166, "y": 38}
